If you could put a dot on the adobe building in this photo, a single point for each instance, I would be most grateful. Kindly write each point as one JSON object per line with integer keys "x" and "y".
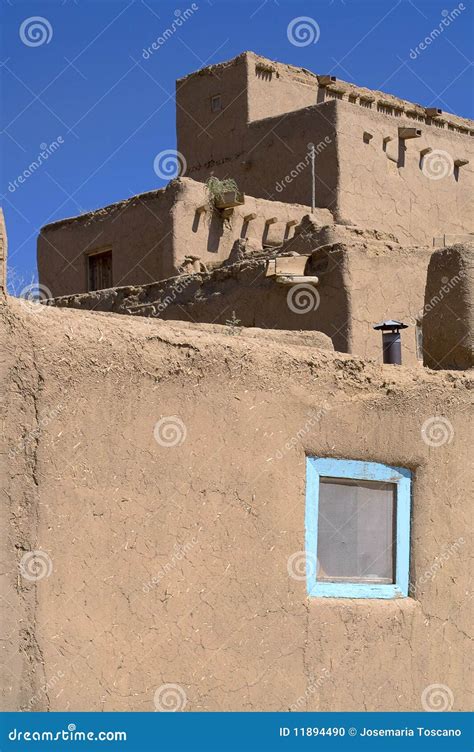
{"x": 243, "y": 509}
{"x": 159, "y": 505}
{"x": 392, "y": 180}
{"x": 380, "y": 161}
{"x": 360, "y": 274}
{"x": 155, "y": 236}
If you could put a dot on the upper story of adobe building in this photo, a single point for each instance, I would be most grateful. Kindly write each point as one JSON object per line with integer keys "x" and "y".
{"x": 381, "y": 161}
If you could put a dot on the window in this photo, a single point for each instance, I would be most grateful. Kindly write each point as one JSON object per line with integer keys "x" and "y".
{"x": 100, "y": 270}
{"x": 357, "y": 529}
{"x": 216, "y": 103}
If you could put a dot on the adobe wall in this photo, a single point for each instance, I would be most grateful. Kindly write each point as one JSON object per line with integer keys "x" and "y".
{"x": 170, "y": 564}
{"x": 241, "y": 290}
{"x": 448, "y": 312}
{"x": 251, "y": 88}
{"x": 363, "y": 177}
{"x": 384, "y": 188}
{"x": 275, "y": 161}
{"x": 212, "y": 237}
{"x": 369, "y": 183}
{"x": 137, "y": 230}
{"x": 200, "y": 131}
{"x": 151, "y": 235}
{"x": 276, "y": 88}
{"x": 360, "y": 284}
{"x": 380, "y": 278}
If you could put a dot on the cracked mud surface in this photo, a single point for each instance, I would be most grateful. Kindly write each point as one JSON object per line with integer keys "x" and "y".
{"x": 169, "y": 563}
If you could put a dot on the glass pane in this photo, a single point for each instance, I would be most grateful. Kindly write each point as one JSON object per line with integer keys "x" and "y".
{"x": 356, "y": 528}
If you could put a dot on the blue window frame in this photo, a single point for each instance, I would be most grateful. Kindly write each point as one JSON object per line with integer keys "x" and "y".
{"x": 369, "y": 474}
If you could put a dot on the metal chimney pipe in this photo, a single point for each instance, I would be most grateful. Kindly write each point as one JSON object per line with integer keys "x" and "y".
{"x": 391, "y": 341}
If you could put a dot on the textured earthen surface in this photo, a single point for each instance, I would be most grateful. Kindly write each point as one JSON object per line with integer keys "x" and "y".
{"x": 152, "y": 236}
{"x": 362, "y": 281}
{"x": 167, "y": 553}
{"x": 365, "y": 173}
{"x": 448, "y": 316}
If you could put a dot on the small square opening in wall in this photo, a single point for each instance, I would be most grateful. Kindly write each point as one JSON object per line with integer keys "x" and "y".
{"x": 216, "y": 103}
{"x": 357, "y": 529}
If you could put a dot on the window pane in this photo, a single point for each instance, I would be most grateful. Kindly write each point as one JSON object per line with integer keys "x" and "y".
{"x": 356, "y": 528}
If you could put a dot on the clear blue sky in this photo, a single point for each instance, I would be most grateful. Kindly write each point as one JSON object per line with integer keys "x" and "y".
{"x": 114, "y": 111}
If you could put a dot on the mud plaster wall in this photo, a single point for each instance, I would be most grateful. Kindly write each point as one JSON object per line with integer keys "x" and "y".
{"x": 200, "y": 131}
{"x": 376, "y": 192}
{"x": 247, "y": 93}
{"x": 139, "y": 232}
{"x": 241, "y": 291}
{"x": 212, "y": 238}
{"x": 448, "y": 318}
{"x": 278, "y": 89}
{"x": 263, "y": 137}
{"x": 382, "y": 286}
{"x": 358, "y": 287}
{"x": 151, "y": 235}
{"x": 273, "y": 159}
{"x": 112, "y": 509}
